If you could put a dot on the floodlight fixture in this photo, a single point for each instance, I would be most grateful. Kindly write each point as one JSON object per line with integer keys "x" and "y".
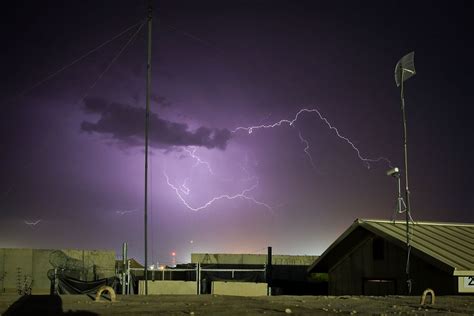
{"x": 394, "y": 172}
{"x": 400, "y": 206}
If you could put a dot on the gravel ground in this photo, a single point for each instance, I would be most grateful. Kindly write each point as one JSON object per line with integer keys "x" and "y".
{"x": 231, "y": 305}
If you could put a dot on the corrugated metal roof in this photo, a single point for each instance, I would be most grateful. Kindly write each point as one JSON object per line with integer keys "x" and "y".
{"x": 449, "y": 243}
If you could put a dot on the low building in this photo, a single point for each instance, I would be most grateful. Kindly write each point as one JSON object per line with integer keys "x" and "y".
{"x": 369, "y": 258}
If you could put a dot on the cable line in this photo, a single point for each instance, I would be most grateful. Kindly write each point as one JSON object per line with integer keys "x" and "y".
{"x": 112, "y": 61}
{"x": 49, "y": 77}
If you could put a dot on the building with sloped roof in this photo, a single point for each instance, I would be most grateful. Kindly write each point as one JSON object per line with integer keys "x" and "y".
{"x": 369, "y": 258}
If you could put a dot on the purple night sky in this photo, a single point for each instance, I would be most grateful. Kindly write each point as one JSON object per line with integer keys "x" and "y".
{"x": 72, "y": 168}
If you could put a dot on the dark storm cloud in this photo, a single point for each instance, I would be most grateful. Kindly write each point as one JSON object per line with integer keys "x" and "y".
{"x": 125, "y": 124}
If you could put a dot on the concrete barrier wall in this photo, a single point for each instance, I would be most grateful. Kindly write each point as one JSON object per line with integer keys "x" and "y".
{"x": 239, "y": 288}
{"x": 32, "y": 265}
{"x": 41, "y": 283}
{"x": 225, "y": 258}
{"x": 15, "y": 268}
{"x": 168, "y": 287}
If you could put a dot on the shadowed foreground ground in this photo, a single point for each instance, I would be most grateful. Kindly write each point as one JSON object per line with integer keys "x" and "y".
{"x": 11, "y": 304}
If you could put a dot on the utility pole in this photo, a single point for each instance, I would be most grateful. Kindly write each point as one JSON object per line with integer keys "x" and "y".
{"x": 147, "y": 119}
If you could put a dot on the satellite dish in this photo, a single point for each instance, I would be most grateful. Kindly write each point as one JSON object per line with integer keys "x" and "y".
{"x": 405, "y": 68}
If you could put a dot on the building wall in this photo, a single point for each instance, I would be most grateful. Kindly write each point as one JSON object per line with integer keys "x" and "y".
{"x": 239, "y": 288}
{"x": 358, "y": 273}
{"x": 16, "y": 265}
{"x": 15, "y": 268}
{"x": 168, "y": 287}
{"x": 225, "y": 258}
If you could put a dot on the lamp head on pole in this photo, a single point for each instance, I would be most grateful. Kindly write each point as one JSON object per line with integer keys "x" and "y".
{"x": 394, "y": 172}
{"x": 405, "y": 68}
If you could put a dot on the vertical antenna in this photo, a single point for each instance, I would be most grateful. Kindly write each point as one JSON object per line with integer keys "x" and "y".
{"x": 407, "y": 190}
{"x": 404, "y": 70}
{"x": 147, "y": 119}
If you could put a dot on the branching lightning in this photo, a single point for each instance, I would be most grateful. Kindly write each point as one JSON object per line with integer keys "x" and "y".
{"x": 199, "y": 161}
{"x": 306, "y": 149}
{"x": 241, "y": 195}
{"x": 367, "y": 161}
{"x": 184, "y": 189}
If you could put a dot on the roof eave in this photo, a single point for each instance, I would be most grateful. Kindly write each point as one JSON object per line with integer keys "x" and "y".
{"x": 349, "y": 230}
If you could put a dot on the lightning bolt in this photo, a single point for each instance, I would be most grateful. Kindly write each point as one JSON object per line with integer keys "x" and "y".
{"x": 184, "y": 188}
{"x": 306, "y": 149}
{"x": 31, "y": 224}
{"x": 367, "y": 161}
{"x": 244, "y": 194}
{"x": 241, "y": 195}
{"x": 199, "y": 161}
{"x": 121, "y": 213}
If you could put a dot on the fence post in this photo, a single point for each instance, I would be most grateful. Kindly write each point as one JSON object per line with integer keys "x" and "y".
{"x": 269, "y": 268}
{"x": 56, "y": 281}
{"x": 128, "y": 277}
{"x": 198, "y": 277}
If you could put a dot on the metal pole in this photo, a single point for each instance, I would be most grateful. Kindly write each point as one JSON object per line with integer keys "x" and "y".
{"x": 55, "y": 285}
{"x": 198, "y": 277}
{"x": 400, "y": 204}
{"x": 269, "y": 270}
{"x": 124, "y": 268}
{"x": 407, "y": 190}
{"x": 147, "y": 119}
{"x": 129, "y": 284}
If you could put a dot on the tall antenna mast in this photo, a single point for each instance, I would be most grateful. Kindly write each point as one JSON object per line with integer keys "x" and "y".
{"x": 147, "y": 119}
{"x": 404, "y": 70}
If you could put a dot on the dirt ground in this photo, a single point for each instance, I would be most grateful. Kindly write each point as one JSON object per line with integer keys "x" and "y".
{"x": 231, "y": 305}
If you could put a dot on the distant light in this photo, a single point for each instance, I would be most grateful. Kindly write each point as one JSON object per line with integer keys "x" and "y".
{"x": 173, "y": 254}
{"x": 191, "y": 241}
{"x": 161, "y": 267}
